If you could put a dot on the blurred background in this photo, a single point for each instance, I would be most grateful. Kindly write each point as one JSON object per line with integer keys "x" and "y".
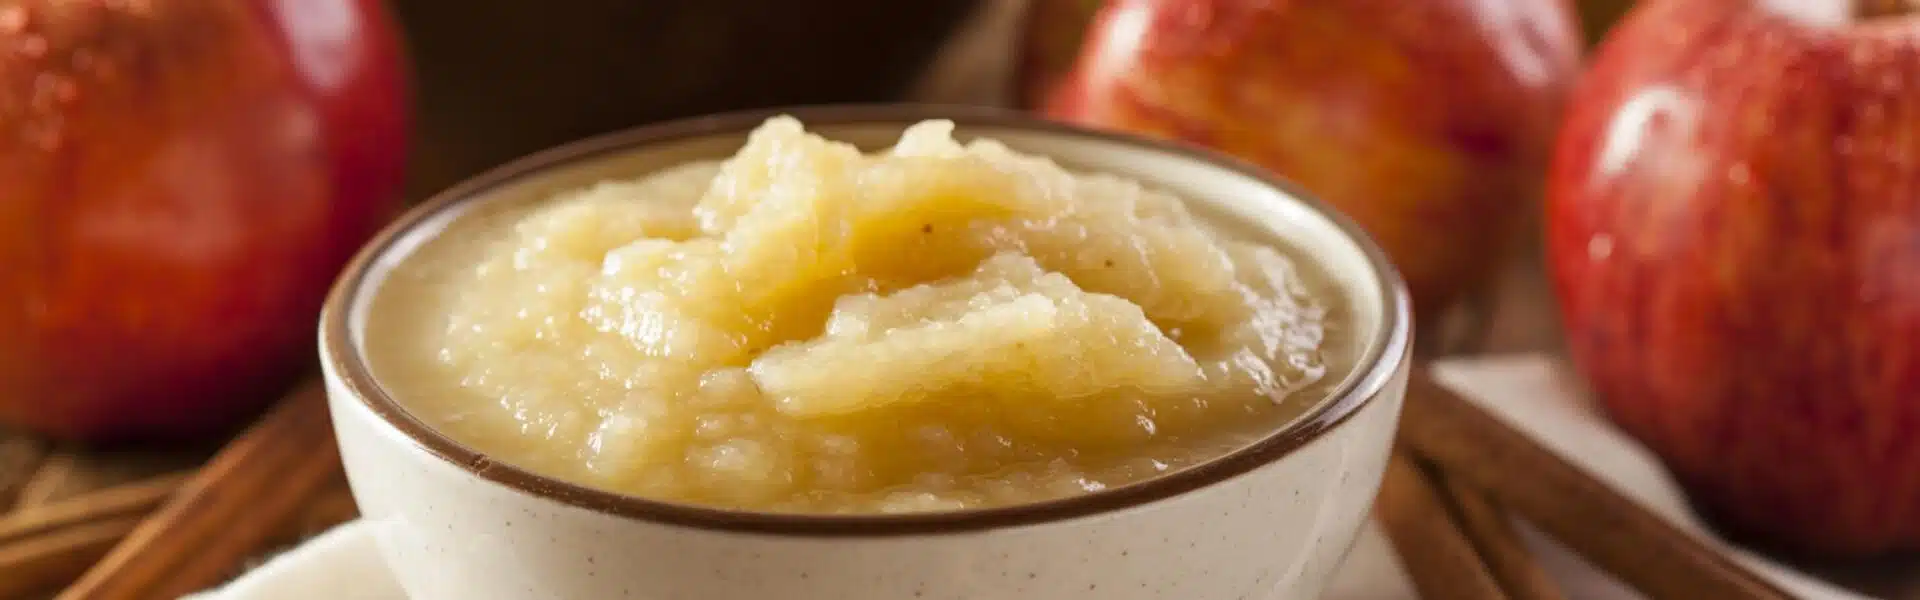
{"x": 582, "y": 67}
{"x": 181, "y": 179}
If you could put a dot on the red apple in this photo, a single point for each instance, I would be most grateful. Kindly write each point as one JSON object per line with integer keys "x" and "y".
{"x": 1734, "y": 233}
{"x": 182, "y": 180}
{"x": 1050, "y": 40}
{"x": 1428, "y": 122}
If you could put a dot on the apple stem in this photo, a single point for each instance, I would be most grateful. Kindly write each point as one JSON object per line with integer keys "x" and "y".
{"x": 1887, "y": 8}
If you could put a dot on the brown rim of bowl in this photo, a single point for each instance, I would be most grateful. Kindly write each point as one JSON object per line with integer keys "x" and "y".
{"x": 1386, "y": 351}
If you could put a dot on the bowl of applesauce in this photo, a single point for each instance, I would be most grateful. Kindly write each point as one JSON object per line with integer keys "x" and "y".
{"x": 862, "y": 353}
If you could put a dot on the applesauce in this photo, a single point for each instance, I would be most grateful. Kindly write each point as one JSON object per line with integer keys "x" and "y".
{"x": 806, "y": 327}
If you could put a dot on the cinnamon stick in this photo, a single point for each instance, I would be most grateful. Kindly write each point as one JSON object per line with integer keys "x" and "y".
{"x": 1498, "y": 544}
{"x": 223, "y": 515}
{"x": 69, "y": 472}
{"x": 49, "y": 546}
{"x": 20, "y": 457}
{"x": 47, "y": 481}
{"x": 1590, "y": 517}
{"x": 1441, "y": 562}
{"x": 130, "y": 500}
{"x": 40, "y": 563}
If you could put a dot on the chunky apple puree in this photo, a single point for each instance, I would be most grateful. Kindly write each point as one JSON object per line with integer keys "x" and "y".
{"x": 804, "y": 327}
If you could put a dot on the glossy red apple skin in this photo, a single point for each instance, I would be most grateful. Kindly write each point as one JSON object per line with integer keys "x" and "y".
{"x": 183, "y": 179}
{"x": 1427, "y": 122}
{"x": 1734, "y": 239}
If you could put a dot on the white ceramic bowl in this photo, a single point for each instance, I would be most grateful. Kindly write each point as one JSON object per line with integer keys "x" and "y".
{"x": 1270, "y": 521}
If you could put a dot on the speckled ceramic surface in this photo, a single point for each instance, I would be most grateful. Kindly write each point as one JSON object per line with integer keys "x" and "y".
{"x": 1268, "y": 523}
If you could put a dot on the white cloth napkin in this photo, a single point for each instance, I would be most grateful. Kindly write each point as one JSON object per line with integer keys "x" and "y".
{"x": 1531, "y": 392}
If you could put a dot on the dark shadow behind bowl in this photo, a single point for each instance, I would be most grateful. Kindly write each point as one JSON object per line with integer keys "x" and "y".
{"x": 497, "y": 79}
